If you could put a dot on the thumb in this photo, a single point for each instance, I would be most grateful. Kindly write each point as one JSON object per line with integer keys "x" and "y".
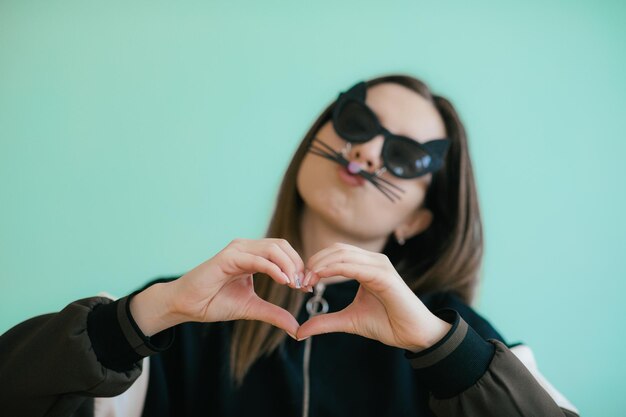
{"x": 326, "y": 323}
{"x": 259, "y": 309}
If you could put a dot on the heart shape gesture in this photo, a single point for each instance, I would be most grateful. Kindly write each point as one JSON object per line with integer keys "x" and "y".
{"x": 221, "y": 289}
{"x": 384, "y": 308}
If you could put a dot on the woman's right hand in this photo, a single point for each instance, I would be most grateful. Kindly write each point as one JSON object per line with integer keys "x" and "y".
{"x": 221, "y": 288}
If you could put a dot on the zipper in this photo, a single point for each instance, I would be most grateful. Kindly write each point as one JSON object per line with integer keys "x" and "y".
{"x": 314, "y": 306}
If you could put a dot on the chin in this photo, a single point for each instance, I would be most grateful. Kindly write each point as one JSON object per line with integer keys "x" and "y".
{"x": 331, "y": 203}
{"x": 349, "y": 221}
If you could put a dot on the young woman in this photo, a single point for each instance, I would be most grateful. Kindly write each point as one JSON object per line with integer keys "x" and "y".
{"x": 370, "y": 264}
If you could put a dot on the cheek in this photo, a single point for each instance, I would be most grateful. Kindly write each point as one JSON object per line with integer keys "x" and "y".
{"x": 306, "y": 174}
{"x": 415, "y": 195}
{"x": 412, "y": 199}
{"x": 367, "y": 214}
{"x": 315, "y": 185}
{"x": 377, "y": 216}
{"x": 313, "y": 181}
{"x": 317, "y": 174}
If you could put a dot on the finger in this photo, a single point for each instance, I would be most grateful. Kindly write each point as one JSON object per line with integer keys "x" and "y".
{"x": 327, "y": 323}
{"x": 344, "y": 256}
{"x": 311, "y": 279}
{"x": 275, "y": 253}
{"x": 340, "y": 255}
{"x": 259, "y": 309}
{"x": 307, "y": 279}
{"x": 341, "y": 252}
{"x": 294, "y": 255}
{"x": 371, "y": 277}
{"x": 316, "y": 260}
{"x": 247, "y": 262}
{"x": 322, "y": 253}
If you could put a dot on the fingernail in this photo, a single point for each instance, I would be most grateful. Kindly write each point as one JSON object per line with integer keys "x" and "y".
{"x": 303, "y": 338}
{"x": 298, "y": 280}
{"x": 307, "y": 278}
{"x": 287, "y": 280}
{"x": 293, "y": 336}
{"x": 310, "y": 289}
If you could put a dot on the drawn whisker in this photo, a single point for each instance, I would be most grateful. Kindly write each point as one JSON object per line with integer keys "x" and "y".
{"x": 327, "y": 146}
{"x": 385, "y": 192}
{"x": 382, "y": 186}
{"x": 389, "y": 183}
{"x": 323, "y": 154}
{"x": 382, "y": 182}
{"x": 322, "y": 150}
{"x": 319, "y": 148}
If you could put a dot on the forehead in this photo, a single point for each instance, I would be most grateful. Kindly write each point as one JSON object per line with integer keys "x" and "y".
{"x": 405, "y": 112}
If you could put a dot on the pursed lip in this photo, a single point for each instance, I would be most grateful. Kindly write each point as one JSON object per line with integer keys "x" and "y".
{"x": 350, "y": 179}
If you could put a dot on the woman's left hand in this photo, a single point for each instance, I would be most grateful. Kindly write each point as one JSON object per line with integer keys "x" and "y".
{"x": 384, "y": 309}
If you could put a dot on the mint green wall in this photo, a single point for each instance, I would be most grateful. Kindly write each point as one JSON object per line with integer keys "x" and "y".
{"x": 138, "y": 139}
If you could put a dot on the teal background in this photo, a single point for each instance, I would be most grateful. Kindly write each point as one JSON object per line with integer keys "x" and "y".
{"x": 138, "y": 138}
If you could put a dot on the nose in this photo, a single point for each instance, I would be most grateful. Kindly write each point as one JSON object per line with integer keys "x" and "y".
{"x": 368, "y": 154}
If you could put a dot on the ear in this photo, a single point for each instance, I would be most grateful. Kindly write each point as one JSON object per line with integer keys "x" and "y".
{"x": 415, "y": 224}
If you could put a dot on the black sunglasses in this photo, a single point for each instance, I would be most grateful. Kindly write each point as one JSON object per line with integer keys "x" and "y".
{"x": 403, "y": 157}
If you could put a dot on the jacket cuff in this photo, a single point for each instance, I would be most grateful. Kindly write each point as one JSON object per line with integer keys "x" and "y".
{"x": 116, "y": 339}
{"x": 456, "y": 362}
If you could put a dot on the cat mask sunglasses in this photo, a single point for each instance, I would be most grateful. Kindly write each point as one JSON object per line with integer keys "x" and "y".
{"x": 403, "y": 157}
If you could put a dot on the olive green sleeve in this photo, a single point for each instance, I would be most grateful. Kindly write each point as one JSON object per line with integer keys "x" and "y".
{"x": 48, "y": 366}
{"x": 470, "y": 376}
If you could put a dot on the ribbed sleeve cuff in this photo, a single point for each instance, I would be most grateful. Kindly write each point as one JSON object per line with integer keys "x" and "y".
{"x": 456, "y": 362}
{"x": 117, "y": 340}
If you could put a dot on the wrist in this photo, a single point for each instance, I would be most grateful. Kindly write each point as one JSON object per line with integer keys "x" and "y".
{"x": 432, "y": 333}
{"x": 152, "y": 310}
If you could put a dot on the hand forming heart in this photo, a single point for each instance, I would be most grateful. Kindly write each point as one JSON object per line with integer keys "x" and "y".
{"x": 221, "y": 289}
{"x": 384, "y": 308}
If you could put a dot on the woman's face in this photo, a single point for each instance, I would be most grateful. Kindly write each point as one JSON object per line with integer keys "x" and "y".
{"x": 362, "y": 210}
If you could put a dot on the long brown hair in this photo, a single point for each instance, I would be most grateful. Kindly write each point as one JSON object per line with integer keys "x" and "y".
{"x": 445, "y": 257}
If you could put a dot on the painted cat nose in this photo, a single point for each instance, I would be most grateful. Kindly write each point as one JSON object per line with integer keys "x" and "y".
{"x": 368, "y": 154}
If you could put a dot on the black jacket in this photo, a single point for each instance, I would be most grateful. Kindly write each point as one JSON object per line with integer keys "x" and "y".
{"x": 56, "y": 364}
